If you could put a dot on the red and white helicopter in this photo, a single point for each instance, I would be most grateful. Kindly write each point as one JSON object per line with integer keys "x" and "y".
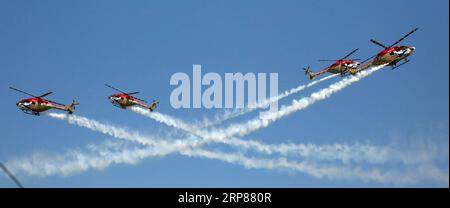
{"x": 37, "y": 104}
{"x": 341, "y": 66}
{"x": 391, "y": 55}
{"x": 124, "y": 100}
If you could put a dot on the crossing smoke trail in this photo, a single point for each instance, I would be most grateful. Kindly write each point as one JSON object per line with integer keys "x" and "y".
{"x": 101, "y": 157}
{"x": 341, "y": 152}
{"x": 373, "y": 154}
{"x": 164, "y": 147}
{"x": 240, "y": 129}
{"x": 155, "y": 148}
{"x": 344, "y": 153}
{"x": 238, "y": 112}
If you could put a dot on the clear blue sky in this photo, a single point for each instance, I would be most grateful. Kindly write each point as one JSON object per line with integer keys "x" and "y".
{"x": 73, "y": 47}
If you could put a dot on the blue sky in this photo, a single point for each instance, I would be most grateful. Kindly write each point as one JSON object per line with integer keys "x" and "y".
{"x": 72, "y": 47}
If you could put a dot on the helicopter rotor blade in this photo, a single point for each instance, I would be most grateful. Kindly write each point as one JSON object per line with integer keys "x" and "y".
{"x": 26, "y": 93}
{"x": 377, "y": 43}
{"x": 132, "y": 93}
{"x": 401, "y": 39}
{"x": 48, "y": 93}
{"x": 349, "y": 54}
{"x": 115, "y": 89}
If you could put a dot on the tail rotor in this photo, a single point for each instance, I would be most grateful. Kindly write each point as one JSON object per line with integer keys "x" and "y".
{"x": 309, "y": 73}
{"x": 71, "y": 108}
{"x": 152, "y": 106}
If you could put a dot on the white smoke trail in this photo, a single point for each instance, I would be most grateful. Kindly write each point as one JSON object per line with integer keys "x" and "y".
{"x": 75, "y": 161}
{"x": 220, "y": 118}
{"x": 173, "y": 122}
{"x": 105, "y": 155}
{"x": 39, "y": 165}
{"x": 243, "y": 129}
{"x": 110, "y": 130}
{"x": 344, "y": 153}
{"x": 341, "y": 152}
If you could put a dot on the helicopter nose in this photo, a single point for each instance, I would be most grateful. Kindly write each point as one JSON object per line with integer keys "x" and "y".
{"x": 20, "y": 105}
{"x": 112, "y": 98}
{"x": 410, "y": 50}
